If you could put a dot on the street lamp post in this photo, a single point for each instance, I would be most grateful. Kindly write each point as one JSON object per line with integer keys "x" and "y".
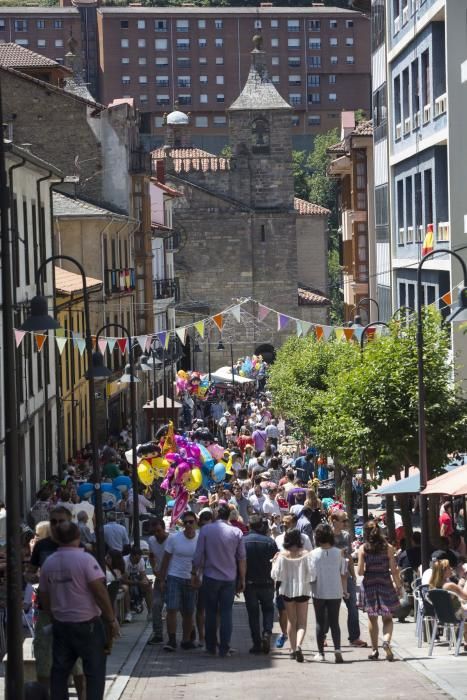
{"x": 39, "y": 320}
{"x": 99, "y": 370}
{"x": 460, "y": 314}
{"x": 368, "y": 299}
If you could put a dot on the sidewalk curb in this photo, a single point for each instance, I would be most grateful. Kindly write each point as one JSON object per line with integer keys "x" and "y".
{"x": 119, "y": 684}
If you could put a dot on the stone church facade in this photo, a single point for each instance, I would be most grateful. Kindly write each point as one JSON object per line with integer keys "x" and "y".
{"x": 243, "y": 233}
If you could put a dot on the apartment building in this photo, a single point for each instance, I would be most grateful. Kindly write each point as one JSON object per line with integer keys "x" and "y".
{"x": 318, "y": 58}
{"x": 427, "y": 149}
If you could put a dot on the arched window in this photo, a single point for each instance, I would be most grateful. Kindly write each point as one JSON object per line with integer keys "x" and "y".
{"x": 260, "y": 135}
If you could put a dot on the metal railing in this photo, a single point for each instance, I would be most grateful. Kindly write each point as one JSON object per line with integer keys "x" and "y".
{"x": 166, "y": 288}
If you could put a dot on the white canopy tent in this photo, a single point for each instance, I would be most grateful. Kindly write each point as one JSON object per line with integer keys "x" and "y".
{"x": 223, "y": 375}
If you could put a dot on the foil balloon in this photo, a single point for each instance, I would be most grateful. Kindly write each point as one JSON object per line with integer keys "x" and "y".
{"x": 146, "y": 473}
{"x": 216, "y": 451}
{"x": 180, "y": 471}
{"x": 85, "y": 490}
{"x": 160, "y": 466}
{"x": 218, "y": 473}
{"x": 122, "y": 483}
{"x": 193, "y": 451}
{"x": 173, "y": 457}
{"x": 194, "y": 480}
{"x": 206, "y": 458}
{"x": 110, "y": 496}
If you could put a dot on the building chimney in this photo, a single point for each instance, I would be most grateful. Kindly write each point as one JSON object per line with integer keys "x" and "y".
{"x": 347, "y": 124}
{"x": 160, "y": 171}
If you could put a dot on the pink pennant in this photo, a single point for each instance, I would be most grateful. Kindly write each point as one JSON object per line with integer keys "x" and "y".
{"x": 262, "y": 312}
{"x": 19, "y": 335}
{"x": 102, "y": 345}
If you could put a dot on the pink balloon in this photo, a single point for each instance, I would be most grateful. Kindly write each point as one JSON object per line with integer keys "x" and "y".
{"x": 173, "y": 457}
{"x": 193, "y": 451}
{"x": 180, "y": 471}
{"x": 216, "y": 451}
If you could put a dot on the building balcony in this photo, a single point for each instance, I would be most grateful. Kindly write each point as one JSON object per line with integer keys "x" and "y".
{"x": 441, "y": 105}
{"x": 173, "y": 241}
{"x": 139, "y": 162}
{"x": 443, "y": 232}
{"x": 166, "y": 289}
{"x": 427, "y": 113}
{"x": 120, "y": 280}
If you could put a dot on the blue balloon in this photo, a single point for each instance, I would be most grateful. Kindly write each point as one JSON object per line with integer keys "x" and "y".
{"x": 122, "y": 483}
{"x": 207, "y": 481}
{"x": 206, "y": 457}
{"x": 218, "y": 473}
{"x": 85, "y": 490}
{"x": 110, "y": 496}
{"x": 170, "y": 504}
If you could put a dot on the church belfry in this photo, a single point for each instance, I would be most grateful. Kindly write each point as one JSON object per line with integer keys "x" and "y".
{"x": 260, "y": 137}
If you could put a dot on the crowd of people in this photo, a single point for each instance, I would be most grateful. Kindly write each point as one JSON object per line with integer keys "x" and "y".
{"x": 274, "y": 530}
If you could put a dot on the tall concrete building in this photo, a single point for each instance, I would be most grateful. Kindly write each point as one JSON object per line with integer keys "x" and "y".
{"x": 318, "y": 59}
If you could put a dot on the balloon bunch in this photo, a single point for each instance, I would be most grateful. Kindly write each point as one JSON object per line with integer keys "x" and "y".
{"x": 192, "y": 382}
{"x": 111, "y": 492}
{"x": 251, "y": 367}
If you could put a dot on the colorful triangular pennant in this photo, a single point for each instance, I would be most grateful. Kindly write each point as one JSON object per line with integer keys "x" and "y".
{"x": 61, "y": 342}
{"x": 327, "y": 330}
{"x": 59, "y": 332}
{"x": 262, "y": 312}
{"x": 339, "y": 333}
{"x": 348, "y": 332}
{"x": 40, "y": 340}
{"x": 181, "y": 332}
{"x": 299, "y": 328}
{"x": 282, "y": 321}
{"x": 319, "y": 332}
{"x": 199, "y": 325}
{"x": 235, "y": 311}
{"x": 122, "y": 343}
{"x": 447, "y": 298}
{"x": 218, "y": 320}
{"x": 111, "y": 344}
{"x": 142, "y": 339}
{"x": 306, "y": 325}
{"x": 102, "y": 343}
{"x": 19, "y": 335}
{"x": 80, "y": 343}
{"x": 358, "y": 333}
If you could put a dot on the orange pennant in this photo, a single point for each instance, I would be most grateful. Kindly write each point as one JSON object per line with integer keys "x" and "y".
{"x": 93, "y": 340}
{"x": 218, "y": 320}
{"x": 447, "y": 298}
{"x": 348, "y": 332}
{"x": 319, "y": 332}
{"x": 40, "y": 340}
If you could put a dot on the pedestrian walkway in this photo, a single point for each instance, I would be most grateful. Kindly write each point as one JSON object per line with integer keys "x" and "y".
{"x": 192, "y": 675}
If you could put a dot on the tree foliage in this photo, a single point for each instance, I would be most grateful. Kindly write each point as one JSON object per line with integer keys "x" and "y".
{"x": 365, "y": 407}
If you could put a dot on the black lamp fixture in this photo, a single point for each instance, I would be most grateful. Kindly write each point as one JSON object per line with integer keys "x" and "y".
{"x": 98, "y": 369}
{"x": 39, "y": 319}
{"x": 128, "y": 377}
{"x": 220, "y": 345}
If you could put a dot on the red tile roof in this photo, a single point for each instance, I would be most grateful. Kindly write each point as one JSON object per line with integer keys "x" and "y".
{"x": 166, "y": 188}
{"x": 16, "y": 56}
{"x": 69, "y": 282}
{"x": 363, "y": 129}
{"x": 311, "y": 297}
{"x": 308, "y": 208}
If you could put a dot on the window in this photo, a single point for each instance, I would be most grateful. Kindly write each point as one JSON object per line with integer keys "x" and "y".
{"x": 295, "y": 98}
{"x": 143, "y": 79}
{"x": 41, "y": 43}
{"x": 2, "y": 25}
{"x": 40, "y": 24}
{"x": 333, "y": 23}
{"x": 295, "y": 80}
{"x": 333, "y": 60}
{"x": 125, "y": 59}
{"x": 184, "y": 81}
{"x": 293, "y": 25}
{"x": 21, "y": 25}
{"x": 141, "y": 24}
{"x": 123, "y": 24}
{"x": 275, "y": 79}
{"x": 162, "y": 99}
{"x": 160, "y": 44}
{"x": 349, "y": 23}
{"x": 332, "y": 97}
{"x": 162, "y": 61}
{"x": 202, "y": 43}
{"x": 201, "y": 24}
{"x": 184, "y": 99}
{"x": 124, "y": 43}
{"x": 183, "y": 62}
{"x": 160, "y": 25}
{"x": 58, "y": 43}
{"x": 258, "y": 24}
{"x": 158, "y": 122}
{"x": 332, "y": 79}
{"x": 143, "y": 98}
{"x": 219, "y": 120}
{"x": 125, "y": 79}
{"x": 274, "y": 43}
{"x": 333, "y": 41}
{"x": 314, "y": 44}
{"x": 314, "y": 61}
{"x": 295, "y": 120}
{"x": 220, "y": 97}
{"x": 349, "y": 59}
{"x": 203, "y": 79}
{"x": 162, "y": 80}
{"x": 274, "y": 24}
{"x": 141, "y": 43}
{"x": 275, "y": 61}
{"x": 57, "y": 23}
{"x": 218, "y": 23}
{"x": 202, "y": 59}
{"x": 142, "y": 61}
{"x": 183, "y": 25}
{"x": 313, "y": 80}
{"x": 219, "y": 79}
{"x": 314, "y": 119}
{"x": 314, "y": 97}
{"x": 349, "y": 41}
{"x": 314, "y": 25}
{"x": 219, "y": 60}
{"x": 183, "y": 44}
{"x": 219, "y": 43}
{"x": 294, "y": 61}
{"x": 22, "y": 42}
{"x": 203, "y": 98}
{"x": 293, "y": 43}
{"x": 201, "y": 121}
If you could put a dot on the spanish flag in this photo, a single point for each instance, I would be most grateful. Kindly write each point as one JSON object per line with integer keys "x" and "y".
{"x": 428, "y": 243}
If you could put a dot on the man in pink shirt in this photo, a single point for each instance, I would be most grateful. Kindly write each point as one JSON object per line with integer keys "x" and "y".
{"x": 73, "y": 591}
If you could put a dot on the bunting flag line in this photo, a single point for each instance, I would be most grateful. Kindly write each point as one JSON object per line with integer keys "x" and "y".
{"x": 319, "y": 332}
{"x": 142, "y": 339}
{"x": 181, "y": 333}
{"x": 59, "y": 332}
{"x": 164, "y": 338}
{"x": 306, "y": 325}
{"x": 148, "y": 343}
{"x": 327, "y": 330}
{"x": 111, "y": 344}
{"x": 235, "y": 311}
{"x": 19, "y": 335}
{"x": 102, "y": 343}
{"x": 80, "y": 344}
{"x": 40, "y": 340}
{"x": 282, "y": 321}
{"x": 219, "y": 321}
{"x": 262, "y": 312}
{"x": 299, "y": 328}
{"x": 122, "y": 343}
{"x": 199, "y": 325}
{"x": 358, "y": 332}
{"x": 339, "y": 333}
{"x": 447, "y": 298}
{"x": 348, "y": 332}
{"x": 61, "y": 342}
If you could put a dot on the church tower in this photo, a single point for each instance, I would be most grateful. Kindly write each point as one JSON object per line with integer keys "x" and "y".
{"x": 260, "y": 137}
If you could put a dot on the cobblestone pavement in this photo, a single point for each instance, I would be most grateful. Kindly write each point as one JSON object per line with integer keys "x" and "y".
{"x": 192, "y": 675}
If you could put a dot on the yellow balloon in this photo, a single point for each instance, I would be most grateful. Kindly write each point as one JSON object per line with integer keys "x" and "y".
{"x": 159, "y": 466}
{"x": 228, "y": 464}
{"x": 194, "y": 481}
{"x": 145, "y": 472}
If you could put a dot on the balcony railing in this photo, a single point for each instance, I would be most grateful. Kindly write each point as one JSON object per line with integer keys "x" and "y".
{"x": 120, "y": 280}
{"x": 397, "y": 24}
{"x": 443, "y": 232}
{"x": 407, "y": 125}
{"x": 398, "y": 131}
{"x": 166, "y": 288}
{"x": 441, "y": 105}
{"x": 140, "y": 162}
{"x": 426, "y": 113}
{"x": 405, "y": 15}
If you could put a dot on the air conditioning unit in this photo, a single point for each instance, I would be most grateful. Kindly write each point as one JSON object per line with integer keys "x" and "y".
{"x": 398, "y": 131}
{"x": 426, "y": 113}
{"x": 407, "y": 125}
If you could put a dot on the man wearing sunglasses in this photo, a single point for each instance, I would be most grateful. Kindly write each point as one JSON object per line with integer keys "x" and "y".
{"x": 339, "y": 522}
{"x": 176, "y": 581}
